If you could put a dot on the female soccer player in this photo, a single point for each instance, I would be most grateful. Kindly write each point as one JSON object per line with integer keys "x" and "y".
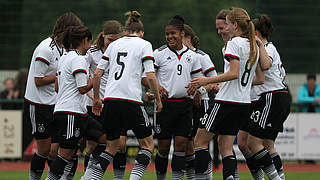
{"x": 70, "y": 113}
{"x": 176, "y": 65}
{"x": 40, "y": 96}
{"x": 272, "y": 108}
{"x": 201, "y": 100}
{"x": 232, "y": 103}
{"x": 112, "y": 30}
{"x": 126, "y": 58}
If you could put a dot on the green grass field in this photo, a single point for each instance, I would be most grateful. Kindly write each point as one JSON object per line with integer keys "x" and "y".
{"x": 21, "y": 175}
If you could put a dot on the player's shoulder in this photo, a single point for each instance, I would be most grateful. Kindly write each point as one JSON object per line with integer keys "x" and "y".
{"x": 163, "y": 47}
{"x": 93, "y": 49}
{"x": 198, "y": 51}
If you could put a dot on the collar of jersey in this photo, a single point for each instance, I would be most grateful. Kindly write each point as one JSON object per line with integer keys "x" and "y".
{"x": 75, "y": 50}
{"x": 175, "y": 52}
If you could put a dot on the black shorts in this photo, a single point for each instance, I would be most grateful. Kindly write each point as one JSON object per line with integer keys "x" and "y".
{"x": 246, "y": 126}
{"x": 41, "y": 119}
{"x": 225, "y": 118}
{"x": 269, "y": 114}
{"x": 198, "y": 113}
{"x": 175, "y": 119}
{"x": 101, "y": 121}
{"x": 72, "y": 127}
{"x": 120, "y": 116}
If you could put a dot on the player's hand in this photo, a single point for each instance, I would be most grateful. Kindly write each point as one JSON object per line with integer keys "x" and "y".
{"x": 215, "y": 88}
{"x": 148, "y": 96}
{"x": 97, "y": 107}
{"x": 197, "y": 99}
{"x": 159, "y": 106}
{"x": 199, "y": 81}
{"x": 259, "y": 42}
{"x": 191, "y": 89}
{"x": 163, "y": 92}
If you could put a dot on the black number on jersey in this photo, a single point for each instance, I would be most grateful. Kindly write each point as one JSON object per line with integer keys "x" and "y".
{"x": 246, "y": 74}
{"x": 118, "y": 75}
{"x": 179, "y": 68}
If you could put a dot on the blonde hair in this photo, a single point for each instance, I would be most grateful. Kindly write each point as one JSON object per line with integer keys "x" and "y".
{"x": 246, "y": 26}
{"x": 133, "y": 23}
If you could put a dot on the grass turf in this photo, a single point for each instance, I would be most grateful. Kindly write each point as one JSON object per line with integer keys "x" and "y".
{"x": 18, "y": 175}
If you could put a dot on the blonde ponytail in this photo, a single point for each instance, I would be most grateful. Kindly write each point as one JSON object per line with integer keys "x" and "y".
{"x": 253, "y": 44}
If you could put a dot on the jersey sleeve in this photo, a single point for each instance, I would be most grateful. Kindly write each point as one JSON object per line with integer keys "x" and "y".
{"x": 208, "y": 67}
{"x": 104, "y": 62}
{"x": 156, "y": 63}
{"x": 42, "y": 62}
{"x": 232, "y": 51}
{"x": 271, "y": 52}
{"x": 147, "y": 58}
{"x": 79, "y": 70}
{"x": 196, "y": 67}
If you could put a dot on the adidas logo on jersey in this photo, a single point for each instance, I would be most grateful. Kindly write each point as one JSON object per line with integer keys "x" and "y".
{"x": 269, "y": 125}
{"x": 169, "y": 58}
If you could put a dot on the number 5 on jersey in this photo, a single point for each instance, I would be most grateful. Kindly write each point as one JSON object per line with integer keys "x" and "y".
{"x": 118, "y": 75}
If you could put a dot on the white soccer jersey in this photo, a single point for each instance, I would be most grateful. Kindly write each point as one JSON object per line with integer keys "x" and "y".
{"x": 126, "y": 59}
{"x": 175, "y": 69}
{"x": 43, "y": 63}
{"x": 93, "y": 57}
{"x": 238, "y": 90}
{"x": 274, "y": 77}
{"x": 208, "y": 68}
{"x": 72, "y": 74}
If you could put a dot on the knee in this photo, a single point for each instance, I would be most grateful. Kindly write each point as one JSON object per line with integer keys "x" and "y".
{"x": 180, "y": 145}
{"x": 147, "y": 143}
{"x": 122, "y": 147}
{"x": 243, "y": 146}
{"x": 189, "y": 148}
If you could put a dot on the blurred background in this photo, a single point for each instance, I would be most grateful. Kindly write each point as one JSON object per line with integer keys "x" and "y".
{"x": 25, "y": 23}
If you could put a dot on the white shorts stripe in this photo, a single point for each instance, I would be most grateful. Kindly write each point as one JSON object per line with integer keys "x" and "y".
{"x": 265, "y": 111}
{"x": 212, "y": 116}
{"x": 145, "y": 115}
{"x": 70, "y": 126}
{"x": 32, "y": 118}
{"x": 206, "y": 105}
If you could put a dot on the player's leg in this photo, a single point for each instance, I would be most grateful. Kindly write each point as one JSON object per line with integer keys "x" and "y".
{"x": 229, "y": 160}
{"x": 71, "y": 131}
{"x": 202, "y": 155}
{"x": 40, "y": 121}
{"x": 120, "y": 159}
{"x": 139, "y": 122}
{"x": 269, "y": 145}
{"x": 254, "y": 168}
{"x": 143, "y": 158}
{"x": 163, "y": 132}
{"x": 190, "y": 157}
{"x": 161, "y": 160}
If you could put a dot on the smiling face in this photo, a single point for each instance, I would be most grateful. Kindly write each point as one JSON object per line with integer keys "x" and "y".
{"x": 230, "y": 27}
{"x": 174, "y": 37}
{"x": 221, "y": 27}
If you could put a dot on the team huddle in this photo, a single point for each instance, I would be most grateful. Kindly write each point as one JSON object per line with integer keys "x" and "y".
{"x": 78, "y": 92}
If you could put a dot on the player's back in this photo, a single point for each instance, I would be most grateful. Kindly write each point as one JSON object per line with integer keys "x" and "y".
{"x": 126, "y": 56}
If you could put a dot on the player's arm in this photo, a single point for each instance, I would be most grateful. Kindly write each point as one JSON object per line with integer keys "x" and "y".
{"x": 232, "y": 74}
{"x": 153, "y": 84}
{"x": 41, "y": 81}
{"x": 83, "y": 83}
{"x": 265, "y": 60}
{"x": 42, "y": 63}
{"x": 259, "y": 77}
{"x": 56, "y": 87}
{"x": 96, "y": 83}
